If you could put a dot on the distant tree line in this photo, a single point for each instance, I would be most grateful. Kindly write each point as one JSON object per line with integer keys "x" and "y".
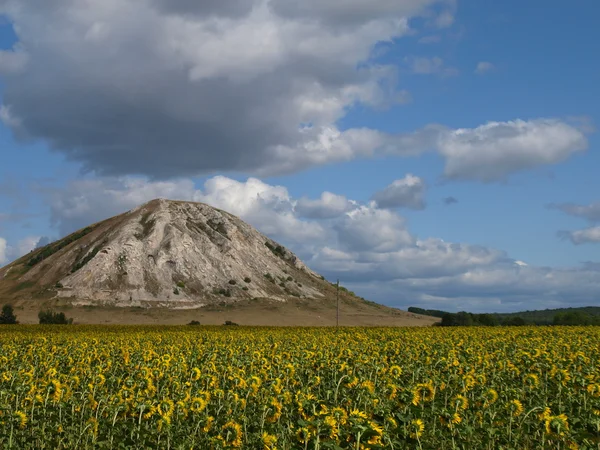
{"x": 466, "y": 319}
{"x": 565, "y": 316}
{"x": 576, "y": 318}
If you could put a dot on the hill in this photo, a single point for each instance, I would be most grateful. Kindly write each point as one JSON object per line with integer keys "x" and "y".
{"x": 179, "y": 257}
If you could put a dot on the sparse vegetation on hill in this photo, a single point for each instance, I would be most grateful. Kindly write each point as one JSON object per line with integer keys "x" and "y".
{"x": 147, "y": 226}
{"x": 54, "y": 247}
{"x": 87, "y": 258}
{"x": 277, "y": 250}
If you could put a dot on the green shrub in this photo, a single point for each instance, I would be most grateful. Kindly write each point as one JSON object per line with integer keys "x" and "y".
{"x": 232, "y": 282}
{"x": 8, "y": 316}
{"x": 176, "y": 291}
{"x": 194, "y": 322}
{"x": 54, "y": 318}
{"x": 247, "y": 280}
{"x": 230, "y": 323}
{"x": 180, "y": 284}
{"x": 269, "y": 277}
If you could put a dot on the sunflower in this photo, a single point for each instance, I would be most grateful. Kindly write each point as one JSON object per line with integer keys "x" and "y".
{"x": 416, "y": 428}
{"x": 515, "y": 407}
{"x": 332, "y": 425}
{"x": 593, "y": 390}
{"x": 21, "y": 418}
{"x": 165, "y": 409}
{"x": 490, "y": 396}
{"x": 395, "y": 371}
{"x": 208, "y": 425}
{"x": 231, "y": 434}
{"x": 423, "y": 392}
{"x": 93, "y": 426}
{"x": 531, "y": 381}
{"x": 340, "y": 415}
{"x": 198, "y": 405}
{"x": 461, "y": 402}
{"x": 303, "y": 435}
{"x": 556, "y": 425}
{"x": 276, "y": 408}
{"x": 268, "y": 441}
{"x": 455, "y": 419}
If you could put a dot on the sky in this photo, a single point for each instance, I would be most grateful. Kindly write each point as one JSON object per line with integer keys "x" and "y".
{"x": 431, "y": 153}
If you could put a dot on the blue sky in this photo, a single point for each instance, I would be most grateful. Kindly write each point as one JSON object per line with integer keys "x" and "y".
{"x": 100, "y": 114}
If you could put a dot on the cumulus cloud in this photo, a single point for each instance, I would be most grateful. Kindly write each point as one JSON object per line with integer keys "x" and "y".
{"x": 328, "y": 206}
{"x": 585, "y": 236}
{"x": 42, "y": 242}
{"x": 87, "y": 201}
{"x": 371, "y": 250}
{"x": 173, "y": 88}
{"x": 268, "y": 208}
{"x": 429, "y": 66}
{"x": 407, "y": 192}
{"x": 484, "y": 67}
{"x": 26, "y": 245}
{"x": 371, "y": 229}
{"x": 492, "y": 151}
{"x": 589, "y": 212}
{"x": 3, "y": 251}
{"x": 168, "y": 89}
{"x": 23, "y": 246}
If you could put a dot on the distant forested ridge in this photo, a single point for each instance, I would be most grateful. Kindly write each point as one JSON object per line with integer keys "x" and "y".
{"x": 587, "y": 315}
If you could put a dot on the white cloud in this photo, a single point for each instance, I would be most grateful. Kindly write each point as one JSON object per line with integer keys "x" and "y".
{"x": 8, "y": 119}
{"x": 492, "y": 151}
{"x": 9, "y": 253}
{"x": 176, "y": 88}
{"x": 370, "y": 249}
{"x": 328, "y": 206}
{"x": 590, "y": 212}
{"x": 585, "y": 236}
{"x": 484, "y": 67}
{"x": 429, "y": 66}
{"x": 87, "y": 201}
{"x": 268, "y": 208}
{"x": 3, "y": 251}
{"x": 26, "y": 244}
{"x": 407, "y": 192}
{"x": 370, "y": 229}
{"x": 444, "y": 20}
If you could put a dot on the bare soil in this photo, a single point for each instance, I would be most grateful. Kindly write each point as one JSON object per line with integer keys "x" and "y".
{"x": 259, "y": 312}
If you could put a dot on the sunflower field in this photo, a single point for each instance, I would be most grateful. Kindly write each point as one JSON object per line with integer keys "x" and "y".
{"x": 77, "y": 387}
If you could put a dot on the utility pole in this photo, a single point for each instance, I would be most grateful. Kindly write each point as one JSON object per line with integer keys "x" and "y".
{"x": 337, "y": 296}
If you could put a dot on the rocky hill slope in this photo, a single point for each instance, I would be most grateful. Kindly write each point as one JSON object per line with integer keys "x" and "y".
{"x": 163, "y": 252}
